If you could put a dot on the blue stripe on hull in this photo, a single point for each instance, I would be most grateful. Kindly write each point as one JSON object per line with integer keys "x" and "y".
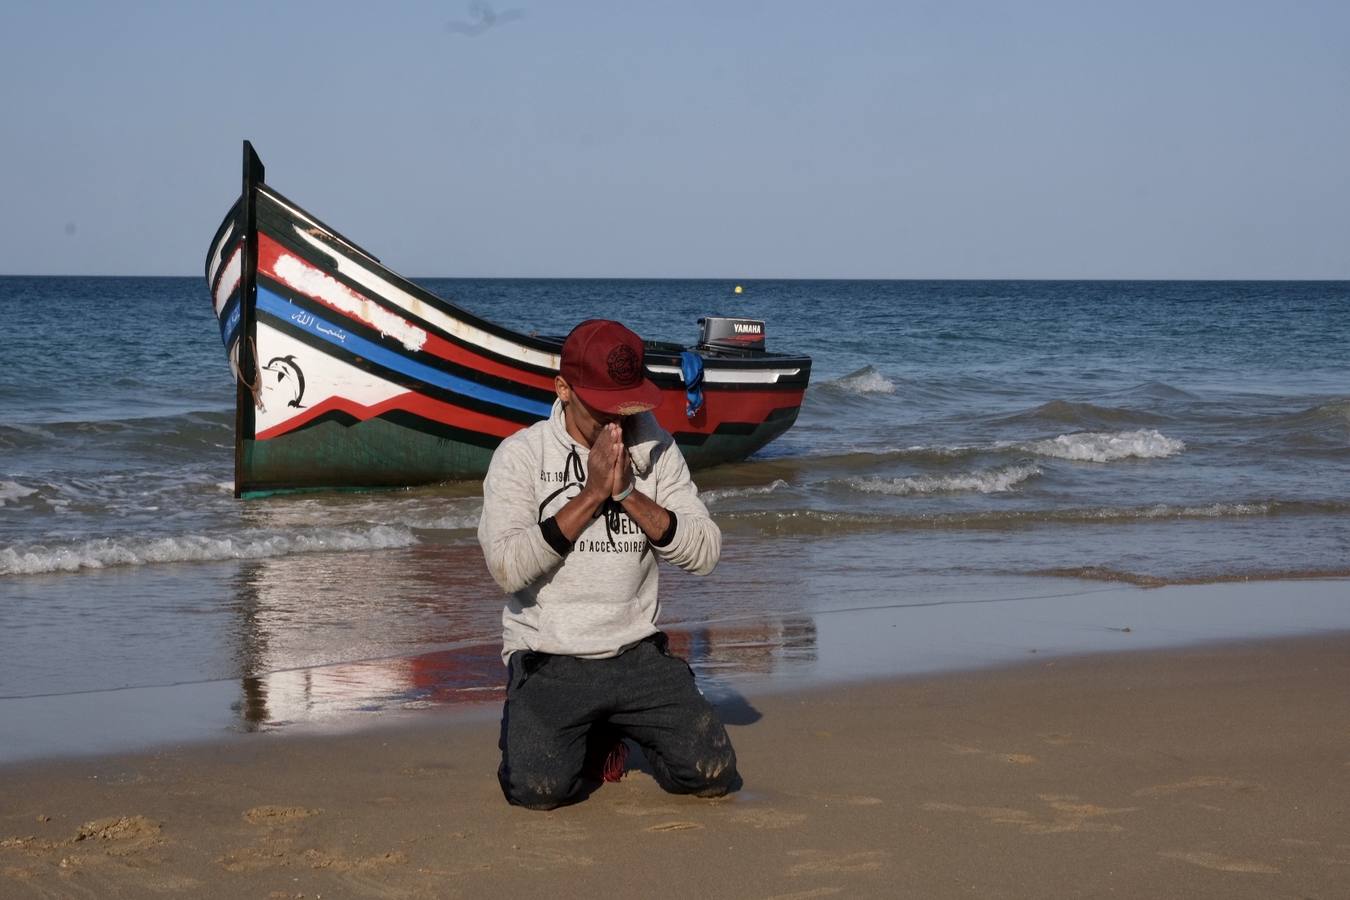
{"x": 279, "y": 307}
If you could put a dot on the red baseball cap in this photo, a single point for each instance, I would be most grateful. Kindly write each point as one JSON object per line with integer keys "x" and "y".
{"x": 602, "y": 362}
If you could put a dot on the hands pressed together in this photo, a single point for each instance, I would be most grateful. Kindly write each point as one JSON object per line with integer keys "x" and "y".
{"x": 609, "y": 471}
{"x": 609, "y": 475}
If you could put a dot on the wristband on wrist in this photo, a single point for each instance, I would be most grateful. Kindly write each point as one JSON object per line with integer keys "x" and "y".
{"x": 623, "y": 494}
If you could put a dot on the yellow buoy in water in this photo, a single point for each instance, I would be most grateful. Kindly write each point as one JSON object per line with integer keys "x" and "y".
{"x": 738, "y": 289}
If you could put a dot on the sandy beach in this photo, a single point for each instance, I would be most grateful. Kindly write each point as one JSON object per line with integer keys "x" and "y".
{"x": 1220, "y": 771}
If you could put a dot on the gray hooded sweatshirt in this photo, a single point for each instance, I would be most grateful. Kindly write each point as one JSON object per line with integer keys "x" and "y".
{"x": 600, "y": 598}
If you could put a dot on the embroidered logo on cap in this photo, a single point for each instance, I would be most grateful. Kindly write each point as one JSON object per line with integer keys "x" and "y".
{"x": 622, "y": 365}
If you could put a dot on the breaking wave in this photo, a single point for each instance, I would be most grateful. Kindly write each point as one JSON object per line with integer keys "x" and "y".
{"x": 38, "y": 559}
{"x": 989, "y": 481}
{"x": 450, "y": 522}
{"x": 1102, "y": 446}
{"x": 720, "y": 494}
{"x": 12, "y": 490}
{"x": 866, "y": 380}
{"x": 1107, "y": 446}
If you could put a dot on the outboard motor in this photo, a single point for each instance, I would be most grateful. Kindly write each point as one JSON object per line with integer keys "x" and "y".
{"x": 721, "y": 333}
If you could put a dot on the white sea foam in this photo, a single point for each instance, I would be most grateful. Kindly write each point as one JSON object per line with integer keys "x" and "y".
{"x": 37, "y": 559}
{"x": 12, "y": 490}
{"x": 1213, "y": 511}
{"x": 1107, "y": 446}
{"x": 716, "y": 496}
{"x": 865, "y": 381}
{"x": 988, "y": 481}
{"x": 461, "y": 522}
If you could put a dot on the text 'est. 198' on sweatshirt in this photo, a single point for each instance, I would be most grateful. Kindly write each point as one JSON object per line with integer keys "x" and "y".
{"x": 600, "y": 597}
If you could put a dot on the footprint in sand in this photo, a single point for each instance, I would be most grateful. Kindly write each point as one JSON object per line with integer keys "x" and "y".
{"x": 1219, "y": 863}
{"x": 118, "y": 828}
{"x": 120, "y": 836}
{"x": 674, "y": 826}
{"x": 322, "y": 859}
{"x": 253, "y": 859}
{"x": 767, "y": 819}
{"x": 818, "y": 862}
{"x": 550, "y": 828}
{"x": 637, "y": 809}
{"x": 278, "y": 815}
{"x": 116, "y": 837}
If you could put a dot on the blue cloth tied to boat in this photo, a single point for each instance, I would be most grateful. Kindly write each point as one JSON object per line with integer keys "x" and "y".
{"x": 691, "y": 370}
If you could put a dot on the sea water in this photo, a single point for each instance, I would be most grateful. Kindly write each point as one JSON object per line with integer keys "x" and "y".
{"x": 979, "y": 444}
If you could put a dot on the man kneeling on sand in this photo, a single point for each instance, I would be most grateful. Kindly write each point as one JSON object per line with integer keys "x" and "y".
{"x": 576, "y": 510}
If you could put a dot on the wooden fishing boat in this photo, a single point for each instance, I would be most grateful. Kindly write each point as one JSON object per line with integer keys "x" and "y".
{"x": 349, "y": 376}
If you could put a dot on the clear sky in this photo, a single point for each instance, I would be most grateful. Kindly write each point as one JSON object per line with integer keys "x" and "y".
{"x": 1070, "y": 139}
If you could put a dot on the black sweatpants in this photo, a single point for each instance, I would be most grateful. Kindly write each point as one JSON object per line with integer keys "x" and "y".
{"x": 554, "y": 703}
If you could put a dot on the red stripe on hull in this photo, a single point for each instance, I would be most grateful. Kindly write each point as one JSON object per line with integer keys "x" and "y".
{"x": 721, "y": 408}
{"x": 435, "y": 410}
{"x": 269, "y": 251}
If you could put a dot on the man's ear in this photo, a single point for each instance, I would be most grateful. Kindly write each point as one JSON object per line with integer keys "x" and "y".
{"x": 562, "y": 389}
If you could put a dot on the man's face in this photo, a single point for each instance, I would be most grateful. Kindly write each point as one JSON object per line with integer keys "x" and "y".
{"x": 583, "y": 422}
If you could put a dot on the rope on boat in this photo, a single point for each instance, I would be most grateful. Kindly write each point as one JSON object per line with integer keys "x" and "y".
{"x": 256, "y": 387}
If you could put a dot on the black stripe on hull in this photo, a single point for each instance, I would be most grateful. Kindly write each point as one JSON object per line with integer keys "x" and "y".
{"x": 214, "y": 284}
{"x": 230, "y": 219}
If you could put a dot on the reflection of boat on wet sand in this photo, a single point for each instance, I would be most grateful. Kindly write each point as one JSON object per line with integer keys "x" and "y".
{"x": 474, "y": 673}
{"x": 351, "y": 376}
{"x": 296, "y": 657}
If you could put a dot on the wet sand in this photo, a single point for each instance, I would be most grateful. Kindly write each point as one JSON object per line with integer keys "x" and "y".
{"x": 1221, "y": 771}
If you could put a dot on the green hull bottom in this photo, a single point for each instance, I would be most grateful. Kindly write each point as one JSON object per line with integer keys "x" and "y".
{"x": 379, "y": 454}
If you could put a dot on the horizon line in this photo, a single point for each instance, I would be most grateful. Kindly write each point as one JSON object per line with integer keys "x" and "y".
{"x": 766, "y": 278}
